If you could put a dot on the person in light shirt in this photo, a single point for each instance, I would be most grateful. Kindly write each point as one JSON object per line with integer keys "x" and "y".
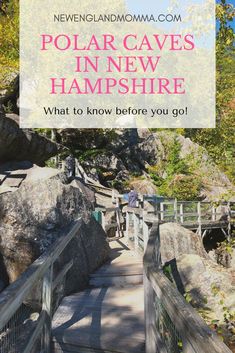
{"x": 133, "y": 199}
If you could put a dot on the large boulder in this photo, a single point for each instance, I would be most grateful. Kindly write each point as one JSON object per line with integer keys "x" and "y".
{"x": 23, "y": 144}
{"x": 106, "y": 163}
{"x": 211, "y": 286}
{"x": 35, "y": 215}
{"x": 176, "y": 240}
{"x": 15, "y": 174}
{"x": 143, "y": 187}
{"x": 89, "y": 250}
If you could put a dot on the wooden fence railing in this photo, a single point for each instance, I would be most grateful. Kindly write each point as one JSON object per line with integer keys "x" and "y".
{"x": 110, "y": 218}
{"x": 193, "y": 214}
{"x": 190, "y": 211}
{"x": 172, "y": 325}
{"x": 15, "y": 334}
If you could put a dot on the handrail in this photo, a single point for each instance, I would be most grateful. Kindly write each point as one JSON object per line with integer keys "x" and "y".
{"x": 15, "y": 294}
{"x": 193, "y": 213}
{"x": 195, "y": 334}
{"x": 171, "y": 323}
{"x": 111, "y": 225}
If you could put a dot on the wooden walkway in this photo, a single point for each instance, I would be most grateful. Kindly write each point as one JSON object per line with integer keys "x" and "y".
{"x": 108, "y": 316}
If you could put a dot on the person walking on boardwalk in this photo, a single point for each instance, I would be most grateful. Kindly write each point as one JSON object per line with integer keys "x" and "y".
{"x": 133, "y": 199}
{"x": 70, "y": 166}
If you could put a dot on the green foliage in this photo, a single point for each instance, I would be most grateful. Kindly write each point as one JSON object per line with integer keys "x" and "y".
{"x": 168, "y": 272}
{"x": 50, "y": 163}
{"x": 157, "y": 180}
{"x": 227, "y": 246}
{"x": 224, "y": 252}
{"x": 9, "y": 41}
{"x": 175, "y": 164}
{"x": 86, "y": 139}
{"x": 181, "y": 187}
{"x": 220, "y": 142}
{"x": 177, "y": 183}
{"x": 228, "y": 314}
{"x": 8, "y": 108}
{"x": 89, "y": 154}
{"x": 225, "y": 14}
{"x": 188, "y": 297}
{"x": 44, "y": 132}
{"x": 154, "y": 173}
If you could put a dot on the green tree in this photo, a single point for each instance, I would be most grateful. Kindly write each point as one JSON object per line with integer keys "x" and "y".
{"x": 220, "y": 142}
{"x": 9, "y": 41}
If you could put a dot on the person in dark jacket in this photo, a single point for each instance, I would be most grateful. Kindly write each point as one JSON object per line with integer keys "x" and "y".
{"x": 70, "y": 166}
{"x": 133, "y": 199}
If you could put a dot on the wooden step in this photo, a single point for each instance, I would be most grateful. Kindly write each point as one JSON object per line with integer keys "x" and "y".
{"x": 121, "y": 269}
{"x": 106, "y": 297}
{"x": 68, "y": 348}
{"x": 118, "y": 272}
{"x": 116, "y": 280}
{"x": 101, "y": 320}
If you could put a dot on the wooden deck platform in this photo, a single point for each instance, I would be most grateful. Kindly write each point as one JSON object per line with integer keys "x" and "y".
{"x": 108, "y": 316}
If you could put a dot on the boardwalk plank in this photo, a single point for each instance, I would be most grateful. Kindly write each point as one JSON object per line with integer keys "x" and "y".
{"x": 105, "y": 319}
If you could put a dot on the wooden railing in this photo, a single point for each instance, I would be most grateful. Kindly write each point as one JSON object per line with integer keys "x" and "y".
{"x": 189, "y": 211}
{"x": 14, "y": 336}
{"x": 172, "y": 325}
{"x": 193, "y": 214}
{"x": 111, "y": 219}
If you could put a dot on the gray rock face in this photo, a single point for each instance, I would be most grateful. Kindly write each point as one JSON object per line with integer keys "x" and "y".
{"x": 151, "y": 150}
{"x": 89, "y": 250}
{"x": 207, "y": 282}
{"x": 193, "y": 271}
{"x": 106, "y": 161}
{"x": 175, "y": 240}
{"x": 129, "y": 156}
{"x": 88, "y": 193}
{"x": 15, "y": 174}
{"x": 219, "y": 183}
{"x": 23, "y": 144}
{"x": 144, "y": 186}
{"x": 32, "y": 217}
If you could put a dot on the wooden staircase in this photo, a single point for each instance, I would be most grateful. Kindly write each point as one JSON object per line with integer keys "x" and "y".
{"x": 109, "y": 315}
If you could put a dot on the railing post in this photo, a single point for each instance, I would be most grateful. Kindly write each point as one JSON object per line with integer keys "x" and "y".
{"x": 175, "y": 211}
{"x": 145, "y": 234}
{"x": 229, "y": 220}
{"x": 136, "y": 220}
{"x": 103, "y": 222}
{"x": 118, "y": 223}
{"x": 161, "y": 211}
{"x": 213, "y": 211}
{"x": 149, "y": 312}
{"x": 47, "y": 308}
{"x": 113, "y": 196}
{"x": 199, "y": 218}
{"x": 156, "y": 211}
{"x": 182, "y": 213}
{"x": 150, "y": 344}
{"x": 127, "y": 225}
{"x": 118, "y": 218}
